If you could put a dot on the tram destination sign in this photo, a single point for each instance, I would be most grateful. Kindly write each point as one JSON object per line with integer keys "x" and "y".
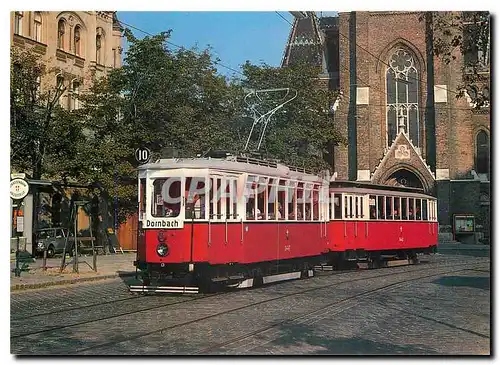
{"x": 170, "y": 223}
{"x": 19, "y": 188}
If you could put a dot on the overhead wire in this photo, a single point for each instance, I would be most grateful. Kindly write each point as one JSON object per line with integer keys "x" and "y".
{"x": 168, "y": 42}
{"x": 382, "y": 61}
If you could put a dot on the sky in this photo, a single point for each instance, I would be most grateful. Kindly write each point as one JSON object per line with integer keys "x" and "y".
{"x": 233, "y": 36}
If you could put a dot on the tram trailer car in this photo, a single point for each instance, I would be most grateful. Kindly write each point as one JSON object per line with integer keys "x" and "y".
{"x": 378, "y": 223}
{"x": 242, "y": 222}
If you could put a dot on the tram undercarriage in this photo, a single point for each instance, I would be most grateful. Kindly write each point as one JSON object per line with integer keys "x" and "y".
{"x": 192, "y": 278}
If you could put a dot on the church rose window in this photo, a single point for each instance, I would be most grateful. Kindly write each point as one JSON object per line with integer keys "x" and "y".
{"x": 402, "y": 96}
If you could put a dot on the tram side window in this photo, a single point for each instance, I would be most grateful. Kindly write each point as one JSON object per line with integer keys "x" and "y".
{"x": 315, "y": 202}
{"x": 361, "y": 203}
{"x": 280, "y": 211}
{"x": 351, "y": 213}
{"x": 251, "y": 186}
{"x": 373, "y": 206}
{"x": 271, "y": 199}
{"x": 166, "y": 197}
{"x": 262, "y": 198}
{"x": 346, "y": 203}
{"x": 211, "y": 195}
{"x": 218, "y": 206}
{"x": 142, "y": 198}
{"x": 195, "y": 197}
{"x": 230, "y": 199}
{"x": 330, "y": 206}
{"x": 292, "y": 201}
{"x": 300, "y": 202}
{"x": 337, "y": 206}
{"x": 356, "y": 207}
{"x": 380, "y": 207}
{"x": 411, "y": 209}
{"x": 308, "y": 202}
{"x": 424, "y": 210}
{"x": 397, "y": 208}
{"x": 418, "y": 209}
{"x": 388, "y": 207}
{"x": 404, "y": 206}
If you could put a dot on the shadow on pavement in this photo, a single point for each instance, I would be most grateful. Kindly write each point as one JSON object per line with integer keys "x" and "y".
{"x": 479, "y": 282}
{"x": 303, "y": 338}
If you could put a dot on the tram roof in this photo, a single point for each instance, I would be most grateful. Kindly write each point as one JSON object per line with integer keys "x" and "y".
{"x": 388, "y": 192}
{"x": 233, "y": 164}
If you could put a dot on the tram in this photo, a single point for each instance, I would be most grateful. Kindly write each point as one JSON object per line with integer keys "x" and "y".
{"x": 236, "y": 221}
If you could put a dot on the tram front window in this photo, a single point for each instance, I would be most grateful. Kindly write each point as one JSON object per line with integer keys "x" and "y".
{"x": 166, "y": 197}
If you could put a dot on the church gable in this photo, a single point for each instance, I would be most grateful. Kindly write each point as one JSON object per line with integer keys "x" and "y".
{"x": 403, "y": 156}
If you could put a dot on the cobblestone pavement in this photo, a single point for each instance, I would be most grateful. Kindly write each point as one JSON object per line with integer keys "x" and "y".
{"x": 441, "y": 307}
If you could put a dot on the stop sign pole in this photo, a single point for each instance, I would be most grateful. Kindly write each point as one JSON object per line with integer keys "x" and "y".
{"x": 19, "y": 188}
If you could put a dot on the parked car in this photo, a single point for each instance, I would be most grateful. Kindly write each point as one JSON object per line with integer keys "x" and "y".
{"x": 53, "y": 240}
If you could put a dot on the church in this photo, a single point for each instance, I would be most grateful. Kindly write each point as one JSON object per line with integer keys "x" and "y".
{"x": 399, "y": 111}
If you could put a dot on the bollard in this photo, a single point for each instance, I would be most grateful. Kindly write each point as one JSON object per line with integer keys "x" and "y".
{"x": 44, "y": 262}
{"x": 95, "y": 259}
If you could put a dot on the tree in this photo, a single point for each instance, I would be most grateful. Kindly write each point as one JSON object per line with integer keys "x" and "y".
{"x": 41, "y": 131}
{"x": 466, "y": 34}
{"x": 162, "y": 99}
{"x": 303, "y": 131}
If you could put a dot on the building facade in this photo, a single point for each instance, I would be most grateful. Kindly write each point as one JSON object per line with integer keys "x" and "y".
{"x": 74, "y": 45}
{"x": 400, "y": 112}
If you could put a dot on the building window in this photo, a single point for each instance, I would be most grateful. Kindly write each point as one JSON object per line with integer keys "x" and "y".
{"x": 61, "y": 28}
{"x": 77, "y": 40}
{"x": 402, "y": 96}
{"x": 98, "y": 44}
{"x": 37, "y": 29}
{"x": 482, "y": 153}
{"x": 18, "y": 22}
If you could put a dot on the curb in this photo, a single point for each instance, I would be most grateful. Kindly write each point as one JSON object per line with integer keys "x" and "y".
{"x": 20, "y": 287}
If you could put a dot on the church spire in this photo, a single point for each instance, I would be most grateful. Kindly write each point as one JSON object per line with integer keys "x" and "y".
{"x": 305, "y": 41}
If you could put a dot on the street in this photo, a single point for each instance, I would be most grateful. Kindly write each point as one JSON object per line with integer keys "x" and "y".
{"x": 437, "y": 307}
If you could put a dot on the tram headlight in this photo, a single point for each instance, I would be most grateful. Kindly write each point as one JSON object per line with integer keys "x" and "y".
{"x": 162, "y": 249}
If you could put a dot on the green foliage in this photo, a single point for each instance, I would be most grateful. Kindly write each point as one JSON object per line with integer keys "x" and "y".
{"x": 41, "y": 131}
{"x": 167, "y": 101}
{"x": 303, "y": 131}
{"x": 466, "y": 34}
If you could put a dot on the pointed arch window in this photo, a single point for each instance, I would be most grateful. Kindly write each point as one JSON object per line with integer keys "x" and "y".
{"x": 402, "y": 96}
{"x": 18, "y": 22}
{"x": 482, "y": 152}
{"x": 61, "y": 29}
{"x": 37, "y": 29}
{"x": 76, "y": 40}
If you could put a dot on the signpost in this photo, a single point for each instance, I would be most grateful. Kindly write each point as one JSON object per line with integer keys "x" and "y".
{"x": 142, "y": 155}
{"x": 19, "y": 188}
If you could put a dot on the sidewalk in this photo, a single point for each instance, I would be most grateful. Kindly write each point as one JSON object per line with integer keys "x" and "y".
{"x": 449, "y": 248}
{"x": 33, "y": 276}
{"x": 115, "y": 265}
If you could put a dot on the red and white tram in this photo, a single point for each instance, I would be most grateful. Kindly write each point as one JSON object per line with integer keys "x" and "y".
{"x": 241, "y": 222}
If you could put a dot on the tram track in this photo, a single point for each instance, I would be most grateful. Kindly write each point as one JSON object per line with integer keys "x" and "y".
{"x": 243, "y": 307}
{"x": 202, "y": 297}
{"x": 333, "y": 308}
